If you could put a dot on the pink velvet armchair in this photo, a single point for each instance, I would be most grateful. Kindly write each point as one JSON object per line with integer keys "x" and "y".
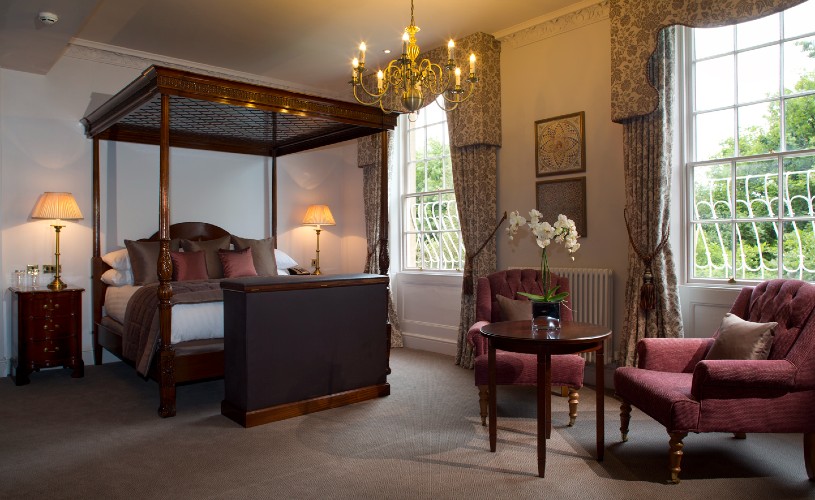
{"x": 679, "y": 388}
{"x": 515, "y": 368}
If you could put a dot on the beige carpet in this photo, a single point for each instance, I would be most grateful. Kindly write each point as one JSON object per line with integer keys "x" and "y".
{"x": 99, "y": 437}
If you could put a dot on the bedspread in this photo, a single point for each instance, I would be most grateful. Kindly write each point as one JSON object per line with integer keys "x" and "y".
{"x": 141, "y": 323}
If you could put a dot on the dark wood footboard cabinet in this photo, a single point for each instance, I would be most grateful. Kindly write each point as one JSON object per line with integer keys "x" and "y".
{"x": 47, "y": 331}
{"x": 295, "y": 345}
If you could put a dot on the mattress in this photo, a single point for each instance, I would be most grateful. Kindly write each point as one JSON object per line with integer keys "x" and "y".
{"x": 189, "y": 321}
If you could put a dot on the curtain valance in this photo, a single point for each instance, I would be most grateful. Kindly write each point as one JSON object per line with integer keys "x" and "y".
{"x": 634, "y": 28}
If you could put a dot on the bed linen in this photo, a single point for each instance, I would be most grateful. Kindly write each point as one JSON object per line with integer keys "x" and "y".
{"x": 196, "y": 321}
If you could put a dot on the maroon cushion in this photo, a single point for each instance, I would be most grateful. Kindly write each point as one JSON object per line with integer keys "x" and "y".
{"x": 189, "y": 266}
{"x": 237, "y": 263}
{"x": 522, "y": 369}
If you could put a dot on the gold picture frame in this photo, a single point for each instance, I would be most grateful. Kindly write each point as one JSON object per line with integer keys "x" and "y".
{"x": 563, "y": 196}
{"x": 560, "y": 145}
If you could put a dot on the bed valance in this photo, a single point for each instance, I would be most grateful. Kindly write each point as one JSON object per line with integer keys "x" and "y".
{"x": 634, "y": 28}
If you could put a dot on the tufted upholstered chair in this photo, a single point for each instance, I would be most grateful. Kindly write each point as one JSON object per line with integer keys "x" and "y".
{"x": 681, "y": 390}
{"x": 516, "y": 368}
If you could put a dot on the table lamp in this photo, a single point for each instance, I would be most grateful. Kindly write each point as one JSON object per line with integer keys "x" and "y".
{"x": 318, "y": 215}
{"x": 60, "y": 206}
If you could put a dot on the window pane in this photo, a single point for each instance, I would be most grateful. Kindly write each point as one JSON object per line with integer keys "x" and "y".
{"x": 419, "y": 175}
{"x": 714, "y": 135}
{"x": 413, "y": 208}
{"x": 758, "y": 129}
{"x": 799, "y": 65}
{"x": 714, "y": 83}
{"x": 448, "y": 172}
{"x": 416, "y": 144}
{"x": 799, "y": 197}
{"x": 452, "y": 252}
{"x": 711, "y": 192}
{"x": 757, "y": 189}
{"x": 758, "y": 32}
{"x": 758, "y": 76}
{"x": 449, "y": 213}
{"x": 756, "y": 250}
{"x": 799, "y": 250}
{"x": 799, "y": 122}
{"x": 712, "y": 244}
{"x": 798, "y": 19}
{"x": 433, "y": 114}
{"x": 711, "y": 41}
{"x": 412, "y": 251}
{"x": 430, "y": 251}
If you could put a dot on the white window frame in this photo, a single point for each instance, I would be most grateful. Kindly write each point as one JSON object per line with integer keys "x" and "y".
{"x": 688, "y": 160}
{"x": 401, "y": 185}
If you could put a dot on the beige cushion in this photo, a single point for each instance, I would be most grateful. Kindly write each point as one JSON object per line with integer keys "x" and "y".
{"x": 740, "y": 339}
{"x": 263, "y": 254}
{"x": 210, "y": 249}
{"x": 143, "y": 256}
{"x": 514, "y": 310}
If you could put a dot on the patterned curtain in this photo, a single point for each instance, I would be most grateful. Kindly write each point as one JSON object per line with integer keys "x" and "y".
{"x": 647, "y": 166}
{"x": 475, "y": 136}
{"x": 369, "y": 159}
{"x": 642, "y": 99}
{"x": 634, "y": 28}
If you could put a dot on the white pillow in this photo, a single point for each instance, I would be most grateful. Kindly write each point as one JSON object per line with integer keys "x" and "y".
{"x": 283, "y": 260}
{"x": 117, "y": 259}
{"x": 116, "y": 277}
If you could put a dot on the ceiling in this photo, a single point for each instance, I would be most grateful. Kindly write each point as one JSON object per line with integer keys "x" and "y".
{"x": 308, "y": 43}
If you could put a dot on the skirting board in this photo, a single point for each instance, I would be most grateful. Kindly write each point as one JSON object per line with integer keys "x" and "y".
{"x": 427, "y": 343}
{"x": 297, "y": 408}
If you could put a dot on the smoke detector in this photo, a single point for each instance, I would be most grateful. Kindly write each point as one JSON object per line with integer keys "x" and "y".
{"x": 47, "y": 18}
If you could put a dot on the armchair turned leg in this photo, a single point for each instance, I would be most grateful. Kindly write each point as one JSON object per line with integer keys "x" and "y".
{"x": 676, "y": 454}
{"x": 564, "y": 391}
{"x": 483, "y": 401}
{"x": 809, "y": 455}
{"x": 574, "y": 400}
{"x": 625, "y": 418}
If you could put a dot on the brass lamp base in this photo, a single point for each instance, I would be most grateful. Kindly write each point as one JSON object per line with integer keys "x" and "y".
{"x": 57, "y": 284}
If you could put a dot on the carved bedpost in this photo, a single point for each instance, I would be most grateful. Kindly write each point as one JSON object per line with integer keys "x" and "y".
{"x": 165, "y": 271}
{"x": 97, "y": 253}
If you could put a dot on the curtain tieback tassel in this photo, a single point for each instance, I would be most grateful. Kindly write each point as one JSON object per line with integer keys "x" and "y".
{"x": 648, "y": 294}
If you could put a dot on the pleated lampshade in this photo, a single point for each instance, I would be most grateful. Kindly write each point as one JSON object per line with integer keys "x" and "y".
{"x": 56, "y": 206}
{"x": 319, "y": 215}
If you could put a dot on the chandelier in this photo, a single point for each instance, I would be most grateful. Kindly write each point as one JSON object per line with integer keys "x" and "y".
{"x": 408, "y": 81}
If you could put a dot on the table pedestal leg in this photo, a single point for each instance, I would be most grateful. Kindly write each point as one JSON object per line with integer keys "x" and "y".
{"x": 544, "y": 379}
{"x": 493, "y": 406}
{"x": 600, "y": 405}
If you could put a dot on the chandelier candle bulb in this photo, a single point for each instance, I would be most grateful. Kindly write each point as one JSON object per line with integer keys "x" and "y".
{"x": 458, "y": 78}
{"x": 405, "y": 39}
{"x": 451, "y": 50}
{"x": 472, "y": 64}
{"x": 362, "y": 49}
{"x": 379, "y": 77}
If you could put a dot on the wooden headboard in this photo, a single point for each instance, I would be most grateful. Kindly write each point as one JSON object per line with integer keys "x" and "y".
{"x": 196, "y": 231}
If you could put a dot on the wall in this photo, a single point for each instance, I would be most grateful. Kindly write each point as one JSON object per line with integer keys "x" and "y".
{"x": 43, "y": 148}
{"x": 559, "y": 67}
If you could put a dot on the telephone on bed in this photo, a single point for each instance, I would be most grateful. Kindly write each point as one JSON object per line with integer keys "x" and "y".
{"x": 298, "y": 270}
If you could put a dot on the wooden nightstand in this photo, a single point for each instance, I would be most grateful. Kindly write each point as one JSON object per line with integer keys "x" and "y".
{"x": 46, "y": 330}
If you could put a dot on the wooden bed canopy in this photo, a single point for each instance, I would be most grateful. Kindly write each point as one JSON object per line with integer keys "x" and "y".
{"x": 174, "y": 108}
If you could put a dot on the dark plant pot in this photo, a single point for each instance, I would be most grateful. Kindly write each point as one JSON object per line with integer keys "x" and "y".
{"x": 551, "y": 309}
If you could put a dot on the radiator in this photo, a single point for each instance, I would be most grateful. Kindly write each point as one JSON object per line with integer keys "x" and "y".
{"x": 592, "y": 300}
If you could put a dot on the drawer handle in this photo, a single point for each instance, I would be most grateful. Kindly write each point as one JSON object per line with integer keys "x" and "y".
{"x": 56, "y": 306}
{"x": 45, "y": 306}
{"x": 45, "y": 349}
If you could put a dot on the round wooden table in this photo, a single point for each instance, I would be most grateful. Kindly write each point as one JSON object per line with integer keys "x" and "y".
{"x": 571, "y": 338}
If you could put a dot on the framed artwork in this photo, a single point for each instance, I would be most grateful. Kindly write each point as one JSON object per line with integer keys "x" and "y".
{"x": 560, "y": 145}
{"x": 563, "y": 196}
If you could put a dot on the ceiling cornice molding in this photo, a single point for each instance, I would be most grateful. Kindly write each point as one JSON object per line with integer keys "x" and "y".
{"x": 119, "y": 56}
{"x": 586, "y": 13}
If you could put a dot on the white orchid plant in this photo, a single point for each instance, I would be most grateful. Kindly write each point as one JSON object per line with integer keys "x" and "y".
{"x": 562, "y": 231}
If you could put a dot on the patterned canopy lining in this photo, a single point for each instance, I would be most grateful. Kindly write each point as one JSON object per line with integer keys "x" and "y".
{"x": 231, "y": 123}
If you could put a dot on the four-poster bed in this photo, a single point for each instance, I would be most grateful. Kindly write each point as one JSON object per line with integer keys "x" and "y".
{"x": 169, "y": 107}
